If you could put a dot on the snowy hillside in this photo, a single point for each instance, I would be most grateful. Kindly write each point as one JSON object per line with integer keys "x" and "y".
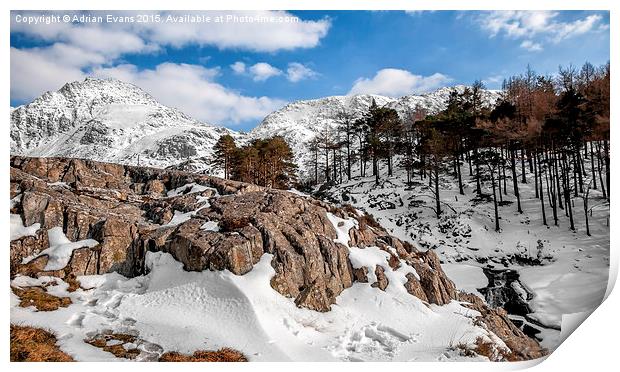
{"x": 109, "y": 120}
{"x": 539, "y": 273}
{"x": 276, "y": 275}
{"x": 300, "y": 121}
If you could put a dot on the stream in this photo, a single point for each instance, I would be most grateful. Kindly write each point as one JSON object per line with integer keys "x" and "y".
{"x": 506, "y": 290}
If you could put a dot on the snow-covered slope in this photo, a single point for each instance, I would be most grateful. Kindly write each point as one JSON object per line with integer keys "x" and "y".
{"x": 109, "y": 120}
{"x": 564, "y": 272}
{"x": 300, "y": 121}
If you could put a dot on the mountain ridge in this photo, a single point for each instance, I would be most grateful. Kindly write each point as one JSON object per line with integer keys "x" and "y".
{"x": 115, "y": 121}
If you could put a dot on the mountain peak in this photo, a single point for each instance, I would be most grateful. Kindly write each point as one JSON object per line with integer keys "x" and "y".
{"x": 109, "y": 120}
{"x": 106, "y": 91}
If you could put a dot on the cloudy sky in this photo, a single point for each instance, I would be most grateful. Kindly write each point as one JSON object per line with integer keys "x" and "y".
{"x": 234, "y": 73}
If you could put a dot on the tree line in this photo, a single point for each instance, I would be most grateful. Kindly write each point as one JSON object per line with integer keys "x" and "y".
{"x": 264, "y": 162}
{"x": 550, "y": 127}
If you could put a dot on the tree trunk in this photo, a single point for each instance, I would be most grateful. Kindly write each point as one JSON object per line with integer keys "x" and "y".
{"x": 458, "y": 172}
{"x": 550, "y": 189}
{"x": 579, "y": 169}
{"x": 503, "y": 157}
{"x": 478, "y": 188}
{"x": 348, "y": 155}
{"x": 515, "y": 183}
{"x": 495, "y": 200}
{"x": 585, "y": 210}
{"x": 600, "y": 168}
{"x": 535, "y": 177}
{"x": 592, "y": 169}
{"x": 575, "y": 167}
{"x": 557, "y": 175}
{"x": 542, "y": 197}
{"x": 607, "y": 174}
{"x": 375, "y": 168}
{"x": 523, "y": 180}
{"x": 567, "y": 197}
{"x": 437, "y": 202}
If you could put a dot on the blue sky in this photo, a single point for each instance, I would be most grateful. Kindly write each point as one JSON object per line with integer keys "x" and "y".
{"x": 234, "y": 73}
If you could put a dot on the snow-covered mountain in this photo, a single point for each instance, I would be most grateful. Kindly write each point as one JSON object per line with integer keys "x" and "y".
{"x": 300, "y": 121}
{"x": 109, "y": 120}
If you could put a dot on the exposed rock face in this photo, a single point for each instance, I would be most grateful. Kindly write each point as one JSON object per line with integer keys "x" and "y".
{"x": 496, "y": 321}
{"x": 208, "y": 223}
{"x": 382, "y": 281}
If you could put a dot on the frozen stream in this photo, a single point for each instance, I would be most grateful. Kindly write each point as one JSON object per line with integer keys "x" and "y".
{"x": 504, "y": 289}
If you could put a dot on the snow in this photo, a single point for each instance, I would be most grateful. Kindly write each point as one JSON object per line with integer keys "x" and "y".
{"x": 18, "y": 230}
{"x": 185, "y": 311}
{"x": 297, "y": 192}
{"x": 110, "y": 120}
{"x": 60, "y": 249}
{"x": 182, "y": 217}
{"x": 189, "y": 188}
{"x": 300, "y": 121}
{"x": 370, "y": 257}
{"x": 574, "y": 272}
{"x": 179, "y": 218}
{"x": 342, "y": 227}
{"x": 466, "y": 277}
{"x": 113, "y": 121}
{"x": 210, "y": 226}
{"x": 124, "y": 116}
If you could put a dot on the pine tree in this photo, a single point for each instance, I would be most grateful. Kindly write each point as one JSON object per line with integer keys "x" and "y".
{"x": 223, "y": 153}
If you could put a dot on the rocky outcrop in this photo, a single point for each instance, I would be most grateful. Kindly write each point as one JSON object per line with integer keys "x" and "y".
{"x": 128, "y": 211}
{"x": 208, "y": 223}
{"x": 496, "y": 320}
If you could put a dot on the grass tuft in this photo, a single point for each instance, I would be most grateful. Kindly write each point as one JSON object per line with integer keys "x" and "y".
{"x": 29, "y": 344}
{"x": 222, "y": 355}
{"x": 39, "y": 298}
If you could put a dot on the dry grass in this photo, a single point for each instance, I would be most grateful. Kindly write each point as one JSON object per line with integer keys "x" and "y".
{"x": 486, "y": 349}
{"x": 222, "y": 355}
{"x": 74, "y": 284}
{"x": 494, "y": 353}
{"x": 29, "y": 344}
{"x": 39, "y": 298}
{"x": 118, "y": 349}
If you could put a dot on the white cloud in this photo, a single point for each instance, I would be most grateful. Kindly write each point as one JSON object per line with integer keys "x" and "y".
{"x": 238, "y": 67}
{"x": 74, "y": 51}
{"x": 34, "y": 72}
{"x": 531, "y": 46}
{"x": 297, "y": 71}
{"x": 191, "y": 89}
{"x": 543, "y": 24}
{"x": 264, "y": 31}
{"x": 92, "y": 37}
{"x": 579, "y": 27}
{"x": 395, "y": 82}
{"x": 493, "y": 80}
{"x": 263, "y": 71}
